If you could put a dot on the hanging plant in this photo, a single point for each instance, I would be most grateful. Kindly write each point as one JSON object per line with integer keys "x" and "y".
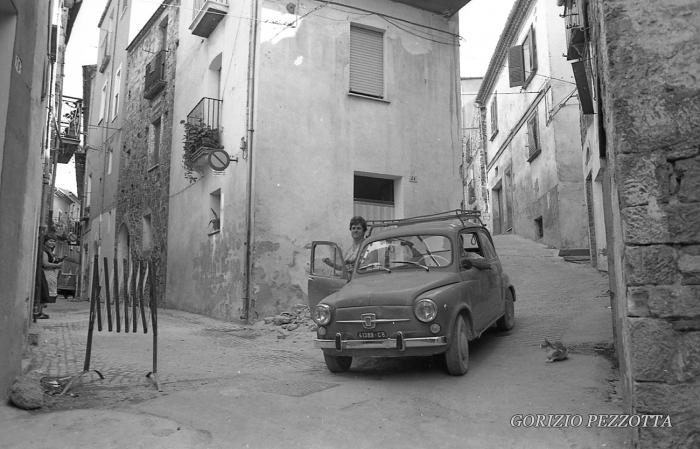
{"x": 199, "y": 139}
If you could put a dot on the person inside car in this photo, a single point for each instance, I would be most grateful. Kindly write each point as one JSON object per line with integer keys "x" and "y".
{"x": 358, "y": 228}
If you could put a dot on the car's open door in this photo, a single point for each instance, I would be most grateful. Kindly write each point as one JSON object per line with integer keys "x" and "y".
{"x": 325, "y": 279}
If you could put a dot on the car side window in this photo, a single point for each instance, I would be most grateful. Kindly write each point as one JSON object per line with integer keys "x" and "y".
{"x": 489, "y": 250}
{"x": 470, "y": 246}
{"x": 327, "y": 260}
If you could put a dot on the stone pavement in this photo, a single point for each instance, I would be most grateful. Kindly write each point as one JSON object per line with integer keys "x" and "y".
{"x": 214, "y": 348}
{"x": 230, "y": 385}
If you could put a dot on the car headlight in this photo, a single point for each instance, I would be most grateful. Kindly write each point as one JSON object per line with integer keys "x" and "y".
{"x": 321, "y": 314}
{"x": 425, "y": 310}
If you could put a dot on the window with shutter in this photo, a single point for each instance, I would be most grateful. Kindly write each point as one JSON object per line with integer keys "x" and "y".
{"x": 494, "y": 116}
{"x": 522, "y": 61}
{"x": 366, "y": 62}
{"x": 533, "y": 138}
{"x": 530, "y": 55}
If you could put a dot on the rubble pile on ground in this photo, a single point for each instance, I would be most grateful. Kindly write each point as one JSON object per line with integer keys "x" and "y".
{"x": 298, "y": 319}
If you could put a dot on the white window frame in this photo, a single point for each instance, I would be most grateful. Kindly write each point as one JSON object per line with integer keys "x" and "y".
{"x": 117, "y": 91}
{"x": 103, "y": 100}
{"x": 493, "y": 111}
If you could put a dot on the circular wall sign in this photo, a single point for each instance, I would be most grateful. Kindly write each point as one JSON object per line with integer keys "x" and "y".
{"x": 219, "y": 159}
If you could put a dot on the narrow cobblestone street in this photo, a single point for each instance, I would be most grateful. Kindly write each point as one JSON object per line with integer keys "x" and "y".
{"x": 228, "y": 385}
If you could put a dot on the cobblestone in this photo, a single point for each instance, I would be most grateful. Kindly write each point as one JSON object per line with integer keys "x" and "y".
{"x": 189, "y": 347}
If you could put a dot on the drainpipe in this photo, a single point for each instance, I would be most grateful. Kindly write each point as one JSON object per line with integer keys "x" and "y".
{"x": 248, "y": 302}
{"x": 458, "y": 107}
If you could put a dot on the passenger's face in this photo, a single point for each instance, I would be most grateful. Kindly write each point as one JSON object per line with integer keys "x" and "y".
{"x": 356, "y": 231}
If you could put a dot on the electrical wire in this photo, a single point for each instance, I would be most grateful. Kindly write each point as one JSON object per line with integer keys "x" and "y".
{"x": 274, "y": 22}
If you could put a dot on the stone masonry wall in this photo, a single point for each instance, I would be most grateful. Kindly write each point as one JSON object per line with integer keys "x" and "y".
{"x": 144, "y": 186}
{"x": 651, "y": 90}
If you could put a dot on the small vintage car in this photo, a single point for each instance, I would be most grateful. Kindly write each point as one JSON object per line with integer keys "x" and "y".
{"x": 420, "y": 286}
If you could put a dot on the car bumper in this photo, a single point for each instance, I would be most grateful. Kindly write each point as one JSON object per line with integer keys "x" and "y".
{"x": 398, "y": 343}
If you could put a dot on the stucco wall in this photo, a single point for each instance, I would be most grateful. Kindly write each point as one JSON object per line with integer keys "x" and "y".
{"x": 310, "y": 138}
{"x": 20, "y": 175}
{"x": 205, "y": 271}
{"x": 652, "y": 104}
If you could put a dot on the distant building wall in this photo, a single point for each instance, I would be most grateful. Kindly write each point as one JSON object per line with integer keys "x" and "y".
{"x": 532, "y": 138}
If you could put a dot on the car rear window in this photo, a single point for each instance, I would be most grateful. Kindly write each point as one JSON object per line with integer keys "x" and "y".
{"x": 409, "y": 251}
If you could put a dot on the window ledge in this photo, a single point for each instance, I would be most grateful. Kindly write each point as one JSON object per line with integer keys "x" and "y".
{"x": 153, "y": 168}
{"x": 353, "y": 94}
{"x": 534, "y": 155}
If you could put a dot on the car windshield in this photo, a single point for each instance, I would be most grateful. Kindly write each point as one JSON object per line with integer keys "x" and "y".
{"x": 408, "y": 251}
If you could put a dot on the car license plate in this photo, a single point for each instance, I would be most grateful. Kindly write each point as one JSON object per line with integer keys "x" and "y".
{"x": 373, "y": 335}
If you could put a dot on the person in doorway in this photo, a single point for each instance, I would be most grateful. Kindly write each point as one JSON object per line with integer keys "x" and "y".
{"x": 358, "y": 228}
{"x": 51, "y": 265}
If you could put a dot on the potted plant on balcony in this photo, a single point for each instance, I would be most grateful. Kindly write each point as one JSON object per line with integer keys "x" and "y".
{"x": 199, "y": 140}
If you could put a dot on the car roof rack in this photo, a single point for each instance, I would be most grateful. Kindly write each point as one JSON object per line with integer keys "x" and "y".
{"x": 464, "y": 216}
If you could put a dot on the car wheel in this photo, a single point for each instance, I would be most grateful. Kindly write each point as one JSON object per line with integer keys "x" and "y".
{"x": 507, "y": 321}
{"x": 337, "y": 364}
{"x": 457, "y": 355}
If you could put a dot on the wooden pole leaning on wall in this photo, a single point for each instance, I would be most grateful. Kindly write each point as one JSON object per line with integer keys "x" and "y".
{"x": 116, "y": 296}
{"x": 132, "y": 296}
{"x": 91, "y": 325}
{"x": 141, "y": 281}
{"x": 142, "y": 284}
{"x": 108, "y": 302}
{"x": 126, "y": 296}
{"x": 154, "y": 323}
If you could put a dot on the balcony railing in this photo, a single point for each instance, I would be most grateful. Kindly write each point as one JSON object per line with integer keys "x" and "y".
{"x": 575, "y": 32}
{"x": 202, "y": 129}
{"x": 70, "y": 128}
{"x": 206, "y": 16}
{"x": 206, "y": 113}
{"x": 155, "y": 76}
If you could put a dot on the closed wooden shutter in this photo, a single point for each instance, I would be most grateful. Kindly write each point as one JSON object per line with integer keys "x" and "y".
{"x": 516, "y": 66}
{"x": 366, "y": 62}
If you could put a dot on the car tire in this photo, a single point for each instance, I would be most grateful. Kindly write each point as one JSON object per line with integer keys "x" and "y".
{"x": 337, "y": 363}
{"x": 457, "y": 355}
{"x": 507, "y": 321}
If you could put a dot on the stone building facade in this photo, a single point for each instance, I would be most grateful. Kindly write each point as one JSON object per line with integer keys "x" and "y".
{"x": 144, "y": 171}
{"x": 648, "y": 64}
